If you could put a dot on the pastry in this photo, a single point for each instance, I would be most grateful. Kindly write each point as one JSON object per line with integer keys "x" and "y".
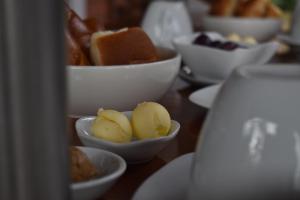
{"x": 223, "y": 7}
{"x": 252, "y": 8}
{"x": 273, "y": 11}
{"x": 81, "y": 167}
{"x": 79, "y": 30}
{"x": 75, "y": 55}
{"x": 127, "y": 46}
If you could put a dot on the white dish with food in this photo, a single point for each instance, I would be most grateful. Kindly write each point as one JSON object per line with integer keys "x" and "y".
{"x": 262, "y": 29}
{"x": 217, "y": 64}
{"x": 135, "y": 151}
{"x": 110, "y": 166}
{"x": 120, "y": 87}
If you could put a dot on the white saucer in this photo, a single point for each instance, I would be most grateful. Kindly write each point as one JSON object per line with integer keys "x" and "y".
{"x": 289, "y": 40}
{"x": 206, "y": 96}
{"x": 170, "y": 182}
{"x": 196, "y": 79}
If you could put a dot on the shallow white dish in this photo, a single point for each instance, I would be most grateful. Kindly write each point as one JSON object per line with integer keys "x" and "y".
{"x": 217, "y": 64}
{"x": 120, "y": 87}
{"x": 196, "y": 79}
{"x": 170, "y": 182}
{"x": 206, "y": 96}
{"x": 136, "y": 151}
{"x": 261, "y": 29}
{"x": 289, "y": 40}
{"x": 112, "y": 165}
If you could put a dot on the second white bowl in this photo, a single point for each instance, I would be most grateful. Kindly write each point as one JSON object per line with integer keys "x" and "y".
{"x": 261, "y": 29}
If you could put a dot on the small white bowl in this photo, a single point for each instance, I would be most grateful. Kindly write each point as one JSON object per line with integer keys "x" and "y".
{"x": 217, "y": 64}
{"x": 136, "y": 151}
{"x": 120, "y": 87}
{"x": 261, "y": 29}
{"x": 112, "y": 165}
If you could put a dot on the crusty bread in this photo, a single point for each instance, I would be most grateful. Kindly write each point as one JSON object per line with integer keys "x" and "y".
{"x": 273, "y": 11}
{"x": 252, "y": 8}
{"x": 75, "y": 55}
{"x": 127, "y": 46}
{"x": 223, "y": 7}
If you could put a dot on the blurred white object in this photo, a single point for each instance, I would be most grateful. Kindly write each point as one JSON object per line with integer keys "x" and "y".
{"x": 164, "y": 21}
{"x": 79, "y": 6}
{"x": 197, "y": 9}
{"x": 294, "y": 37}
{"x": 250, "y": 144}
{"x": 205, "y": 96}
{"x": 216, "y": 64}
{"x": 260, "y": 29}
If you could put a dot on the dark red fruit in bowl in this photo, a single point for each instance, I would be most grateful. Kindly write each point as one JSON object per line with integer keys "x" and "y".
{"x": 229, "y": 46}
{"x": 202, "y": 39}
{"x": 216, "y": 44}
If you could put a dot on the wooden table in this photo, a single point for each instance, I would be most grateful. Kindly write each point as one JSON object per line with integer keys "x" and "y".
{"x": 191, "y": 118}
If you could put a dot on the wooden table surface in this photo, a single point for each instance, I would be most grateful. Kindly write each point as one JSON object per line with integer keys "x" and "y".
{"x": 191, "y": 118}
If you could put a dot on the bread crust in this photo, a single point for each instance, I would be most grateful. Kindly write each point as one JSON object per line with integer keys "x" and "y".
{"x": 128, "y": 46}
{"x": 224, "y": 7}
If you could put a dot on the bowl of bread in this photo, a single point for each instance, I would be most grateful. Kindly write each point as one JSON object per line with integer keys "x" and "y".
{"x": 260, "y": 19}
{"x": 115, "y": 69}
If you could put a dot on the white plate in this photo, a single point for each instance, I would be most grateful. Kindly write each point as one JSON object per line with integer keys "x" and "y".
{"x": 196, "y": 79}
{"x": 289, "y": 40}
{"x": 206, "y": 96}
{"x": 170, "y": 182}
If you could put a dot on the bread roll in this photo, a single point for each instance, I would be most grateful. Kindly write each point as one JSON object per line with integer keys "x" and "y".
{"x": 127, "y": 46}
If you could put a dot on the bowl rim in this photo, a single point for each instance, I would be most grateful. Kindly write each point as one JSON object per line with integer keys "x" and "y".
{"x": 241, "y": 19}
{"x": 109, "y": 67}
{"x": 102, "y": 179}
{"x": 130, "y": 144}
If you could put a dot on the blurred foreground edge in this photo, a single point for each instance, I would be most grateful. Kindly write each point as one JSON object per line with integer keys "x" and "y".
{"x": 33, "y": 143}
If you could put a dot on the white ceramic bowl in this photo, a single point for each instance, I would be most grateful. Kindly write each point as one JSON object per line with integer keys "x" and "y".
{"x": 216, "y": 64}
{"x": 261, "y": 29}
{"x": 120, "y": 87}
{"x": 136, "y": 151}
{"x": 112, "y": 165}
